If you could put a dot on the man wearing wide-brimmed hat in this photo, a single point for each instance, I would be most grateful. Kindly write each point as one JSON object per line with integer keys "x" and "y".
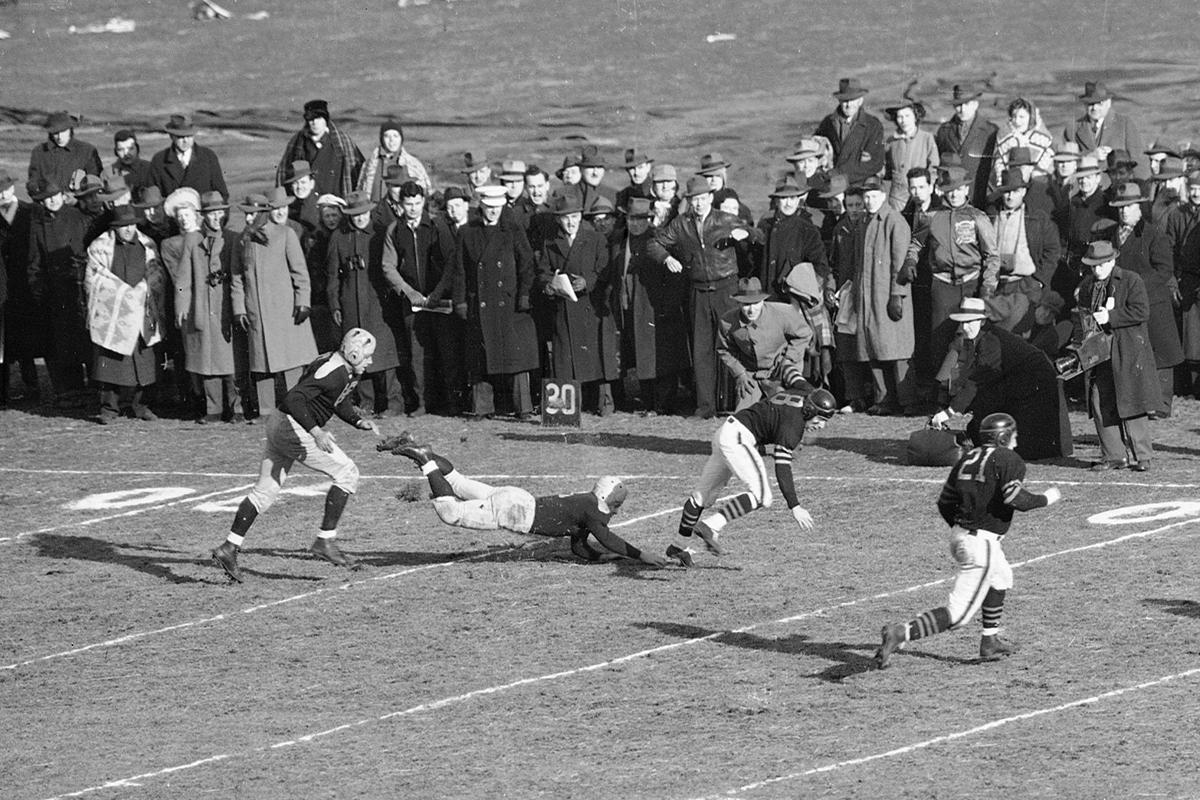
{"x": 856, "y": 136}
{"x": 571, "y": 271}
{"x": 1084, "y": 209}
{"x": 1101, "y": 130}
{"x": 971, "y": 138}
{"x": 185, "y": 163}
{"x": 272, "y": 297}
{"x": 334, "y": 157}
{"x": 762, "y": 344}
{"x": 591, "y": 175}
{"x": 126, "y": 287}
{"x": 1124, "y": 390}
{"x": 57, "y": 158}
{"x": 704, "y": 242}
{"x": 1143, "y": 248}
{"x": 1168, "y": 188}
{"x": 637, "y": 166}
{"x": 303, "y": 213}
{"x": 1029, "y": 248}
{"x": 791, "y": 239}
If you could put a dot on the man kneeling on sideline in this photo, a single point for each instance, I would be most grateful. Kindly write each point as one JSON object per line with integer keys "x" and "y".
{"x": 467, "y": 503}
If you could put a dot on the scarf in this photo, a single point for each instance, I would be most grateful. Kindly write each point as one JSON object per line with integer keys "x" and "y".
{"x": 341, "y": 144}
{"x": 371, "y": 172}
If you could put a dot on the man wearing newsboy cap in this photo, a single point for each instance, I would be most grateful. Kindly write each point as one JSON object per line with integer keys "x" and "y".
{"x": 1101, "y": 130}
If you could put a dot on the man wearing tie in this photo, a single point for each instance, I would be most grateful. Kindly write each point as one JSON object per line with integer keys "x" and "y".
{"x": 1103, "y": 130}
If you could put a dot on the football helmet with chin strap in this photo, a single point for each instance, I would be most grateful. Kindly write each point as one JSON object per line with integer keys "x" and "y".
{"x": 357, "y": 347}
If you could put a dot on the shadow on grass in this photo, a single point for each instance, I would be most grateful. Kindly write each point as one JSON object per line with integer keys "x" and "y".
{"x": 881, "y": 451}
{"x": 627, "y": 441}
{"x": 850, "y": 659}
{"x": 1180, "y": 608}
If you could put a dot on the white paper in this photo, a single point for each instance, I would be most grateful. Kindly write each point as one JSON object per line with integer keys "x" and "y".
{"x": 562, "y": 282}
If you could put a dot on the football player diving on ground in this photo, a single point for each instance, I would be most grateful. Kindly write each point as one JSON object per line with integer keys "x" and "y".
{"x": 467, "y": 503}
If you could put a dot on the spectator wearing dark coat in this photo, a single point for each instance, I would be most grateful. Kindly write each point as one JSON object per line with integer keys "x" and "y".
{"x": 970, "y": 138}
{"x": 129, "y": 166}
{"x": 1083, "y": 210}
{"x": 56, "y": 159}
{"x": 1144, "y": 249}
{"x": 856, "y": 136}
{"x": 21, "y": 317}
{"x": 1123, "y": 390}
{"x": 335, "y": 159}
{"x": 186, "y": 163}
{"x": 1101, "y": 130}
{"x": 1183, "y": 234}
{"x": 1028, "y": 245}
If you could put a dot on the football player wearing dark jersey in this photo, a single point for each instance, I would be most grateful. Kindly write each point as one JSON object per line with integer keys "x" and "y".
{"x": 295, "y": 432}
{"x": 467, "y": 503}
{"x": 780, "y": 420}
{"x": 977, "y": 502}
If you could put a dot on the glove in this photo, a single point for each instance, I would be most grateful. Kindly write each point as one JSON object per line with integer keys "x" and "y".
{"x": 938, "y": 421}
{"x": 895, "y": 308}
{"x": 242, "y": 321}
{"x": 300, "y": 313}
{"x": 523, "y": 304}
{"x": 905, "y": 276}
{"x": 1101, "y": 316}
{"x": 803, "y": 518}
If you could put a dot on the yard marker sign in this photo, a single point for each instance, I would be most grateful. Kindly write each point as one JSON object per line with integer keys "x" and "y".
{"x": 560, "y": 404}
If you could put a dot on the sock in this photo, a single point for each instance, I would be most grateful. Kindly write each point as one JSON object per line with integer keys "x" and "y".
{"x": 993, "y": 608}
{"x": 437, "y": 481}
{"x": 244, "y": 518}
{"x": 235, "y": 540}
{"x": 929, "y": 623}
{"x": 691, "y": 515}
{"x": 736, "y": 506}
{"x": 324, "y": 534}
{"x": 335, "y": 504}
{"x": 443, "y": 464}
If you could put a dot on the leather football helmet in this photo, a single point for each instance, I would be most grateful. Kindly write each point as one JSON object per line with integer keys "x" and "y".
{"x": 998, "y": 429}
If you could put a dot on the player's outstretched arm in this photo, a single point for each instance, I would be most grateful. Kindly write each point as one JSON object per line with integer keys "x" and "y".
{"x": 617, "y": 545}
{"x": 1021, "y": 499}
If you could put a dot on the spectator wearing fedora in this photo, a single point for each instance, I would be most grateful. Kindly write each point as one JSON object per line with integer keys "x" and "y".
{"x": 1087, "y": 207}
{"x": 86, "y": 189}
{"x": 1039, "y": 193}
{"x": 591, "y": 177}
{"x": 789, "y": 239}
{"x": 498, "y": 277}
{"x": 204, "y": 312}
{"x": 1120, "y": 169}
{"x": 855, "y": 135}
{"x": 704, "y": 242}
{"x": 1123, "y": 390}
{"x": 715, "y": 170}
{"x": 583, "y": 332}
{"x": 878, "y": 339}
{"x": 1049, "y": 332}
{"x": 1028, "y": 245}
{"x": 512, "y": 178}
{"x": 129, "y": 163}
{"x": 1062, "y": 186}
{"x": 149, "y": 204}
{"x": 959, "y": 245}
{"x": 1183, "y": 234}
{"x": 762, "y": 344}
{"x": 56, "y": 159}
{"x": 971, "y": 139}
{"x": 651, "y": 311}
{"x": 56, "y": 260}
{"x": 359, "y": 297}
{"x": 998, "y": 371}
{"x": 1025, "y": 129}
{"x": 420, "y": 266}
{"x": 1101, "y": 130}
{"x": 1168, "y": 187}
{"x": 334, "y": 158}
{"x": 908, "y": 147}
{"x": 1144, "y": 249}
{"x": 302, "y": 213}
{"x": 22, "y": 319}
{"x": 126, "y": 287}
{"x": 1156, "y": 154}
{"x": 477, "y": 172}
{"x": 185, "y": 163}
{"x": 666, "y": 201}
{"x": 391, "y": 152}
{"x": 272, "y": 298}
{"x": 637, "y": 166}
{"x": 390, "y": 209}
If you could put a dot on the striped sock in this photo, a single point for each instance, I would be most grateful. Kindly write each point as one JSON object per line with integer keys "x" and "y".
{"x": 929, "y": 623}
{"x": 993, "y": 609}
{"x": 691, "y": 515}
{"x": 737, "y": 506}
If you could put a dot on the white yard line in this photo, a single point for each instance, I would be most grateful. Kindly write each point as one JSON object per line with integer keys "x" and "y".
{"x": 497, "y": 689}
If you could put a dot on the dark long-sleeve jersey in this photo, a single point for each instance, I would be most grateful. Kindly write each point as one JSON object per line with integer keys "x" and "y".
{"x": 984, "y": 488}
{"x": 578, "y": 515}
{"x": 778, "y": 420}
{"x": 324, "y": 389}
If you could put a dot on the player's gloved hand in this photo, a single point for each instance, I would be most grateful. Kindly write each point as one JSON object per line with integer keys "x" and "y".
{"x": 895, "y": 308}
{"x": 300, "y": 313}
{"x": 938, "y": 421}
{"x": 803, "y": 518}
{"x": 523, "y": 304}
{"x": 905, "y": 276}
{"x": 654, "y": 559}
{"x": 1052, "y": 495}
{"x": 242, "y": 321}
{"x": 323, "y": 438}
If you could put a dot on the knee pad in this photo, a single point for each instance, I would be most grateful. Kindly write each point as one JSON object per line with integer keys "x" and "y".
{"x": 346, "y": 478}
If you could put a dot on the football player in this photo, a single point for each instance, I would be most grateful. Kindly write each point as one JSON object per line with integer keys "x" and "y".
{"x": 296, "y": 433}
{"x": 977, "y": 502}
{"x": 467, "y": 503}
{"x": 780, "y": 420}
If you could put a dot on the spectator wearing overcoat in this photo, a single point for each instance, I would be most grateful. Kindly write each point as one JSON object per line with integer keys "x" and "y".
{"x": 971, "y": 139}
{"x": 1028, "y": 245}
{"x": 185, "y": 163}
{"x": 22, "y": 344}
{"x": 583, "y": 341}
{"x": 1183, "y": 234}
{"x": 272, "y": 297}
{"x": 498, "y": 276}
{"x": 856, "y": 136}
{"x": 333, "y": 156}
{"x": 1101, "y": 130}
{"x": 56, "y": 159}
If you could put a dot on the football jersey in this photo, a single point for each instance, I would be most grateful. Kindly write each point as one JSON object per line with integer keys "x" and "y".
{"x": 567, "y": 514}
{"x": 323, "y": 390}
{"x": 778, "y": 420}
{"x": 981, "y": 488}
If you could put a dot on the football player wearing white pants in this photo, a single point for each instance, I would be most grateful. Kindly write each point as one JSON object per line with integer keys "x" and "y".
{"x": 467, "y": 503}
{"x": 780, "y": 420}
{"x": 296, "y": 433}
{"x": 978, "y": 500}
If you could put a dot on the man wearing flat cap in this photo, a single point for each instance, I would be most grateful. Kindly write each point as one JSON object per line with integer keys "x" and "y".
{"x": 1101, "y": 130}
{"x": 704, "y": 243}
{"x": 971, "y": 138}
{"x": 57, "y": 158}
{"x": 185, "y": 163}
{"x": 333, "y": 156}
{"x": 129, "y": 163}
{"x": 856, "y": 136}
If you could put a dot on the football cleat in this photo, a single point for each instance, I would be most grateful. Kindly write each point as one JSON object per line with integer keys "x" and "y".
{"x": 418, "y": 453}
{"x": 392, "y": 443}
{"x": 893, "y": 640}
{"x": 993, "y": 648}
{"x": 710, "y": 538}
{"x": 328, "y": 550}
{"x": 682, "y": 556}
{"x": 226, "y": 558}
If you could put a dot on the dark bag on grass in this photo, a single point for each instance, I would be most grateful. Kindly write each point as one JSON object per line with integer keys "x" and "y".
{"x": 934, "y": 448}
